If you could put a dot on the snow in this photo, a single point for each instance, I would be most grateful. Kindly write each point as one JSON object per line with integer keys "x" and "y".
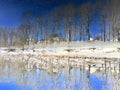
{"x": 94, "y": 49}
{"x": 88, "y": 49}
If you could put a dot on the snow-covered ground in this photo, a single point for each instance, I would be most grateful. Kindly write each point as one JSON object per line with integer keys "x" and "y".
{"x": 86, "y": 49}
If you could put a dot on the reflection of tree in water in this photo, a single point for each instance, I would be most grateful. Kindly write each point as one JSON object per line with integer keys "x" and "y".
{"x": 111, "y": 80}
{"x": 23, "y": 75}
{"x": 17, "y": 71}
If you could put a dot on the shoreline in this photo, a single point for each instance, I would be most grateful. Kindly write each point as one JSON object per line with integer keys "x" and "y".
{"x": 93, "y": 49}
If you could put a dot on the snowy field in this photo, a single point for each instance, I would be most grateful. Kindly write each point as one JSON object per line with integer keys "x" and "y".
{"x": 80, "y": 49}
{"x": 87, "y": 49}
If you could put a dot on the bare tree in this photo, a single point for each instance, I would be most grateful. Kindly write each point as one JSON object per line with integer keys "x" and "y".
{"x": 118, "y": 31}
{"x": 39, "y": 27}
{"x": 80, "y": 22}
{"x": 85, "y": 16}
{"x": 103, "y": 11}
{"x": 68, "y": 16}
{"x": 11, "y": 35}
{"x": 115, "y": 17}
{"x": 58, "y": 15}
{"x": 28, "y": 20}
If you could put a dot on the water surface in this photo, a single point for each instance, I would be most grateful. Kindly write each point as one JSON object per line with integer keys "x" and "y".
{"x": 15, "y": 76}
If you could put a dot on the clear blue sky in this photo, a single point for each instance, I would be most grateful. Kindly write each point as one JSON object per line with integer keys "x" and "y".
{"x": 11, "y": 10}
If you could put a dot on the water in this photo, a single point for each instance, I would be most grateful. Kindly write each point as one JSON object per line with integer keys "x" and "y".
{"x": 15, "y": 76}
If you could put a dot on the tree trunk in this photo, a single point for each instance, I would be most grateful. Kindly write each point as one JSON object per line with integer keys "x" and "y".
{"x": 88, "y": 34}
{"x": 118, "y": 36}
{"x": 109, "y": 33}
{"x": 75, "y": 36}
{"x": 113, "y": 32}
{"x": 104, "y": 32}
{"x": 69, "y": 32}
{"x": 88, "y": 30}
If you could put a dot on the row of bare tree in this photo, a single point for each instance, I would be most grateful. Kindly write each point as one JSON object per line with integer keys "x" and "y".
{"x": 71, "y": 21}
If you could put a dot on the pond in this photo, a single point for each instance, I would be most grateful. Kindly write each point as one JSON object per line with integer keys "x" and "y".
{"x": 14, "y": 76}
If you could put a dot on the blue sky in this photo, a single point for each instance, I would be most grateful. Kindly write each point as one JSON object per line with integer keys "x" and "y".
{"x": 11, "y": 10}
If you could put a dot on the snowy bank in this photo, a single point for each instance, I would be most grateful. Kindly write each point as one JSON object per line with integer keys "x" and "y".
{"x": 74, "y": 49}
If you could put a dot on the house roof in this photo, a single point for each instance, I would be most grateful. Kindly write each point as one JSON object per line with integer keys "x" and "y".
{"x": 55, "y": 35}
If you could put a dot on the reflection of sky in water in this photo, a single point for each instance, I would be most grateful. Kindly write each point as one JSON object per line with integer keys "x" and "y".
{"x": 43, "y": 81}
{"x": 96, "y": 83}
{"x": 17, "y": 79}
{"x": 12, "y": 86}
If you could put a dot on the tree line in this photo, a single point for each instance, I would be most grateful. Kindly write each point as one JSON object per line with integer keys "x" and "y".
{"x": 73, "y": 22}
